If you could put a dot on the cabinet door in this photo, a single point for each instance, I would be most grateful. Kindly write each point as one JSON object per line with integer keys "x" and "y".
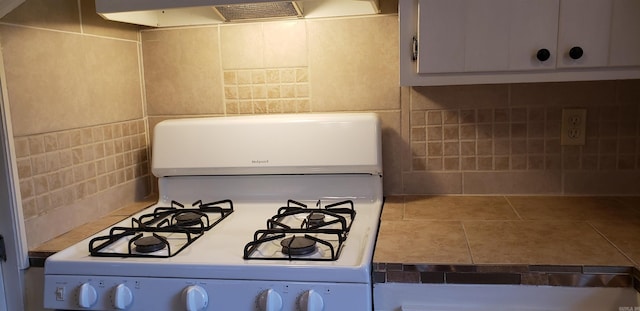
{"x": 625, "y": 33}
{"x": 441, "y": 27}
{"x": 487, "y": 35}
{"x": 533, "y": 28}
{"x": 584, "y": 26}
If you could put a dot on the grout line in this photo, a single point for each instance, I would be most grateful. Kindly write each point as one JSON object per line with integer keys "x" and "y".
{"x": 80, "y": 17}
{"x": 613, "y": 244}
{"x": 466, "y": 238}
{"x": 67, "y": 32}
{"x": 513, "y": 208}
{"x": 404, "y": 209}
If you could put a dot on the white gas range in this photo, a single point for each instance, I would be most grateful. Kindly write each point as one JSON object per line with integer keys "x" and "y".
{"x": 255, "y": 213}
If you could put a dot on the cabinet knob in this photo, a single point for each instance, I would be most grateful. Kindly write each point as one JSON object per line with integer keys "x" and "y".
{"x": 543, "y": 55}
{"x": 576, "y": 52}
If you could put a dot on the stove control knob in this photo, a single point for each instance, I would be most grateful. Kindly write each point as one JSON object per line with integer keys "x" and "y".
{"x": 310, "y": 301}
{"x": 87, "y": 295}
{"x": 195, "y": 298}
{"x": 270, "y": 300}
{"x": 122, "y": 297}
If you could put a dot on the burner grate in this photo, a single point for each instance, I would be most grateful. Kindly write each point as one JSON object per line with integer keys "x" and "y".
{"x": 330, "y": 241}
{"x": 320, "y": 230}
{"x": 150, "y": 234}
{"x": 99, "y": 246}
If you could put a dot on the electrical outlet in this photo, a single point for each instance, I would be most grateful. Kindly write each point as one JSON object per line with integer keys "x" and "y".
{"x": 574, "y": 126}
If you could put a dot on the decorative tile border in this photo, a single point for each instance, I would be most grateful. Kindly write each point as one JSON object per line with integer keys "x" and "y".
{"x": 261, "y": 91}
{"x": 551, "y": 275}
{"x": 59, "y": 168}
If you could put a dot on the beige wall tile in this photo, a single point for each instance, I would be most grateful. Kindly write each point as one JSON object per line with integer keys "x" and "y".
{"x": 182, "y": 71}
{"x": 112, "y": 79}
{"x": 393, "y": 148}
{"x": 59, "y": 15}
{"x": 285, "y": 44}
{"x": 570, "y": 94}
{"x": 353, "y": 63}
{"x": 244, "y": 46}
{"x": 50, "y": 70}
{"x": 602, "y": 182}
{"x": 465, "y": 96}
{"x": 627, "y": 92}
{"x": 539, "y": 182}
{"x": 92, "y": 23}
{"x": 66, "y": 80}
{"x": 432, "y": 183}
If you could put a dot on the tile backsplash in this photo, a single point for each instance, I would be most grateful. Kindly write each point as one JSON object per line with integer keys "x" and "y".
{"x": 522, "y": 138}
{"x": 496, "y": 139}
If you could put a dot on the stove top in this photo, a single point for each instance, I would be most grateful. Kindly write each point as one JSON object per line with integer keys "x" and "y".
{"x": 221, "y": 249}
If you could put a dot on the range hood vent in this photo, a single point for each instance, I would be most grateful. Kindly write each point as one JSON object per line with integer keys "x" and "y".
{"x": 167, "y": 13}
{"x": 259, "y": 10}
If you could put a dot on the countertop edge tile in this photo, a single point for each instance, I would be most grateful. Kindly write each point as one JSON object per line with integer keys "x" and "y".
{"x": 516, "y": 274}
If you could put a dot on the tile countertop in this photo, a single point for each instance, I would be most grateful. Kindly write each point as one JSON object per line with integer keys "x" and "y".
{"x": 40, "y": 253}
{"x": 567, "y": 241}
{"x": 574, "y": 241}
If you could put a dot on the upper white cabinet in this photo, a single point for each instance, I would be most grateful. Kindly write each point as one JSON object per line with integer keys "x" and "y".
{"x": 503, "y": 41}
{"x": 625, "y": 33}
{"x": 583, "y": 33}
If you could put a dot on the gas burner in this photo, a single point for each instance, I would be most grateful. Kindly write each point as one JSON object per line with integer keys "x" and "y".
{"x": 315, "y": 219}
{"x": 337, "y": 215}
{"x": 187, "y": 219}
{"x": 149, "y": 244}
{"x": 298, "y": 246}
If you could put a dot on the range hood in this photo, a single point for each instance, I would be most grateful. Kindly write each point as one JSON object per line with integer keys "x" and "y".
{"x": 167, "y": 13}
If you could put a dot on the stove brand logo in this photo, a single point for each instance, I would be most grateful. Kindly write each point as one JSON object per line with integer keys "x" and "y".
{"x": 259, "y": 161}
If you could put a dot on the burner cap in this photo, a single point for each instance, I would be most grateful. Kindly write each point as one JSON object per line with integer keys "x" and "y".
{"x": 188, "y": 219}
{"x": 149, "y": 244}
{"x": 315, "y": 219}
{"x": 298, "y": 246}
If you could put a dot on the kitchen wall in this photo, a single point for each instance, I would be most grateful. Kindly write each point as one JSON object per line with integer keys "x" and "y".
{"x": 85, "y": 93}
{"x": 74, "y": 90}
{"x": 481, "y": 139}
